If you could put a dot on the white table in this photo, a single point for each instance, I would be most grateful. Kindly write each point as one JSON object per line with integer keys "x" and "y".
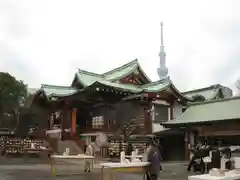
{"x": 80, "y": 156}
{"x": 137, "y": 156}
{"x": 68, "y": 157}
{"x": 140, "y": 167}
{"x": 231, "y": 175}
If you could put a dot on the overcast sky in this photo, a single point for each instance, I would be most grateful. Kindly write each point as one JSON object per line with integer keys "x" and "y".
{"x": 45, "y": 41}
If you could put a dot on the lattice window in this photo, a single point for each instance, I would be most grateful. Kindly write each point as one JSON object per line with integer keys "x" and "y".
{"x": 97, "y": 122}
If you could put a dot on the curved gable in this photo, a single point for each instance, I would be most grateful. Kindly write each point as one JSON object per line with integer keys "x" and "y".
{"x": 211, "y": 92}
{"x": 165, "y": 86}
{"x": 130, "y": 73}
{"x": 86, "y": 78}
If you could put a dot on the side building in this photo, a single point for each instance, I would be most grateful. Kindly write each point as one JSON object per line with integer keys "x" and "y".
{"x": 211, "y": 120}
{"x": 175, "y": 140}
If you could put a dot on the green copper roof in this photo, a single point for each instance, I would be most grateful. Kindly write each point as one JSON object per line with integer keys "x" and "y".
{"x": 87, "y": 78}
{"x": 124, "y": 70}
{"x": 156, "y": 86}
{"x": 209, "y": 111}
{"x": 151, "y": 87}
{"x": 110, "y": 79}
{"x": 208, "y": 92}
{"x": 161, "y": 85}
{"x": 51, "y": 90}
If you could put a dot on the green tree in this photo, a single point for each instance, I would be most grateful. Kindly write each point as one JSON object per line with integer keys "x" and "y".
{"x": 12, "y": 93}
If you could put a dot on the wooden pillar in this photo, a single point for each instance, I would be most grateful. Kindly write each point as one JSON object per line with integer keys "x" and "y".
{"x": 171, "y": 112}
{"x": 74, "y": 121}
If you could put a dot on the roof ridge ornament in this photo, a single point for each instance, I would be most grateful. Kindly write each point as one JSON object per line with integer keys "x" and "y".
{"x": 88, "y": 72}
{"x": 49, "y": 86}
{"x": 162, "y": 70}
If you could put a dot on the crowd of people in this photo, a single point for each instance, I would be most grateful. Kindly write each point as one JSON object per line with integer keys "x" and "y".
{"x": 206, "y": 157}
{"x": 199, "y": 160}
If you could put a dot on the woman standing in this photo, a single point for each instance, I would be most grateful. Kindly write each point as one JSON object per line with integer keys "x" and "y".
{"x": 89, "y": 152}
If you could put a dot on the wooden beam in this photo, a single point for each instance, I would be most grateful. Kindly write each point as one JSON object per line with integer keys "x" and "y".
{"x": 81, "y": 96}
{"x": 159, "y": 96}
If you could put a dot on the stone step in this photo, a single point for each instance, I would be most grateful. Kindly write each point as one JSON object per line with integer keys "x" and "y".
{"x": 74, "y": 148}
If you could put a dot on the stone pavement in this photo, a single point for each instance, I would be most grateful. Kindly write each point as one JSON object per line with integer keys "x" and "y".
{"x": 26, "y": 169}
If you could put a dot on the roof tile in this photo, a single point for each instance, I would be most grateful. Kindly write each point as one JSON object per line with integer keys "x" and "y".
{"x": 214, "y": 110}
{"x": 87, "y": 78}
{"x": 209, "y": 92}
{"x": 52, "y": 90}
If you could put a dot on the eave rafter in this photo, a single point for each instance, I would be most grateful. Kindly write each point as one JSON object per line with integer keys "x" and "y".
{"x": 98, "y": 88}
{"x": 133, "y": 78}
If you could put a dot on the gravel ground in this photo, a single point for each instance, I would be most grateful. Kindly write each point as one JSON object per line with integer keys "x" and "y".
{"x": 32, "y": 169}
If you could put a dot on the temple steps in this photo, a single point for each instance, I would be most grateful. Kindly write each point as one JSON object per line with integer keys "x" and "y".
{"x": 74, "y": 148}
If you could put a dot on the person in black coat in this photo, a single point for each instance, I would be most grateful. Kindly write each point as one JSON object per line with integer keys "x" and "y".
{"x": 129, "y": 149}
{"x": 153, "y": 157}
{"x": 196, "y": 155}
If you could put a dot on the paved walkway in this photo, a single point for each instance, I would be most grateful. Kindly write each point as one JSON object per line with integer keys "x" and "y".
{"x": 28, "y": 169}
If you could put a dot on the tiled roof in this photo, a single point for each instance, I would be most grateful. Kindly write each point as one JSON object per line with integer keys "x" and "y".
{"x": 157, "y": 85}
{"x": 87, "y": 78}
{"x": 51, "y": 90}
{"x": 208, "y": 92}
{"x": 124, "y": 70}
{"x": 60, "y": 91}
{"x": 209, "y": 111}
{"x": 151, "y": 87}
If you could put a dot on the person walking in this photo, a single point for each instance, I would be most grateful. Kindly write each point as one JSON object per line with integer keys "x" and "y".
{"x": 89, "y": 152}
{"x": 160, "y": 155}
{"x": 153, "y": 157}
